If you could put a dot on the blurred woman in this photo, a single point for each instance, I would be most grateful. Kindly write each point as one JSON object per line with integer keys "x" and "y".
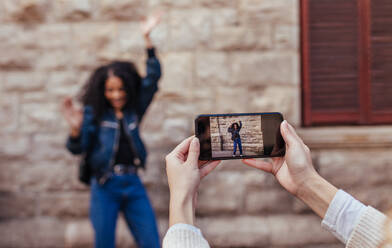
{"x": 115, "y": 99}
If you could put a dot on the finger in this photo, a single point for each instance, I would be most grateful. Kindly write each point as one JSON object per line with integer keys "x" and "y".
{"x": 205, "y": 170}
{"x": 183, "y": 147}
{"x": 66, "y": 102}
{"x": 259, "y": 164}
{"x": 201, "y": 163}
{"x": 289, "y": 135}
{"x": 194, "y": 151}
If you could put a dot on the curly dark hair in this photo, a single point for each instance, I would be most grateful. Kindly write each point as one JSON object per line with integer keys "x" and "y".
{"x": 93, "y": 92}
{"x": 235, "y": 123}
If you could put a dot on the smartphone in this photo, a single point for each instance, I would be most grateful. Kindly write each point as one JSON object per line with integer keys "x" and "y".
{"x": 238, "y": 136}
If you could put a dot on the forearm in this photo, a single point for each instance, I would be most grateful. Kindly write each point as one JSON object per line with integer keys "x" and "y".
{"x": 147, "y": 41}
{"x": 317, "y": 193}
{"x": 181, "y": 210}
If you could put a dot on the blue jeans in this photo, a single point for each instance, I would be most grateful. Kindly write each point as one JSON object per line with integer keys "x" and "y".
{"x": 123, "y": 193}
{"x": 237, "y": 142}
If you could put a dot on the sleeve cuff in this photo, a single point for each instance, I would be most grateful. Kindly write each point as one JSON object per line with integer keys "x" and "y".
{"x": 74, "y": 139}
{"x": 181, "y": 226}
{"x": 151, "y": 52}
{"x": 371, "y": 229}
{"x": 342, "y": 215}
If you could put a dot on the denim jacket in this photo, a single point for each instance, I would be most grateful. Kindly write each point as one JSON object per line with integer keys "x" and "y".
{"x": 235, "y": 134}
{"x": 100, "y": 143}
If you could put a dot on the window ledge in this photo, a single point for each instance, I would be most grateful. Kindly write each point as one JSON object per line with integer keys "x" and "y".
{"x": 347, "y": 137}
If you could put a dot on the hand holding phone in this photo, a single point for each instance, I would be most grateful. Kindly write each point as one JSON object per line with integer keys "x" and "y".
{"x": 238, "y": 136}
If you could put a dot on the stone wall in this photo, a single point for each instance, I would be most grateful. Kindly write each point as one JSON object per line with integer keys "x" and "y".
{"x": 212, "y": 52}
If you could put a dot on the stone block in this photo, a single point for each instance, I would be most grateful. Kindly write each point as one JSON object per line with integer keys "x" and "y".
{"x": 159, "y": 197}
{"x": 170, "y": 3}
{"x": 155, "y": 173}
{"x": 94, "y": 44}
{"x": 268, "y": 201}
{"x": 218, "y": 3}
{"x": 15, "y": 145}
{"x": 80, "y": 233}
{"x": 24, "y": 81}
{"x": 274, "y": 98}
{"x": 122, "y": 10}
{"x": 65, "y": 83}
{"x": 53, "y": 61}
{"x": 297, "y": 230}
{"x": 190, "y": 28}
{"x": 32, "y": 233}
{"x": 255, "y": 12}
{"x": 13, "y": 58}
{"x": 176, "y": 129}
{"x": 353, "y": 168}
{"x": 286, "y": 37}
{"x": 52, "y": 36}
{"x": 232, "y": 99}
{"x": 45, "y": 36}
{"x": 49, "y": 146}
{"x": 213, "y": 68}
{"x": 221, "y": 192}
{"x": 37, "y": 117}
{"x": 130, "y": 38}
{"x": 259, "y": 180}
{"x": 26, "y": 10}
{"x": 378, "y": 196}
{"x": 224, "y": 16}
{"x": 64, "y": 205}
{"x": 236, "y": 231}
{"x": 73, "y": 10}
{"x": 256, "y": 68}
{"x": 336, "y": 245}
{"x": 178, "y": 74}
{"x": 39, "y": 176}
{"x": 17, "y": 205}
{"x": 8, "y": 111}
{"x": 241, "y": 38}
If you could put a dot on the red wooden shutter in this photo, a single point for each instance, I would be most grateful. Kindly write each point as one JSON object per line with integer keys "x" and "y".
{"x": 381, "y": 61}
{"x": 330, "y": 62}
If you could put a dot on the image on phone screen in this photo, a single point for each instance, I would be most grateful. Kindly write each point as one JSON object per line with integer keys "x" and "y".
{"x": 236, "y": 136}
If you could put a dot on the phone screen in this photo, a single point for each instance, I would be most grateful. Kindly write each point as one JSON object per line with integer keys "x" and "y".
{"x": 237, "y": 136}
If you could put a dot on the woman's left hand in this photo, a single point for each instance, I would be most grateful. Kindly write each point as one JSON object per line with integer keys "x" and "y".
{"x": 184, "y": 173}
{"x": 149, "y": 23}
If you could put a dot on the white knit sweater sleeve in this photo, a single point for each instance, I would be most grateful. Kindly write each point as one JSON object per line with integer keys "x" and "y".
{"x": 184, "y": 236}
{"x": 369, "y": 231}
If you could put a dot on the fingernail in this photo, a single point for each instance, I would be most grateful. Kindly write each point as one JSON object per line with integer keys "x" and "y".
{"x": 195, "y": 141}
{"x": 285, "y": 124}
{"x": 290, "y": 126}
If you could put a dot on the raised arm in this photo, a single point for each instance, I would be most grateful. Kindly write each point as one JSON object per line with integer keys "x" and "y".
{"x": 150, "y": 83}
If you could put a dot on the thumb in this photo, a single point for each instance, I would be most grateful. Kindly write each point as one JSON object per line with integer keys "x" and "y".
{"x": 194, "y": 151}
{"x": 289, "y": 135}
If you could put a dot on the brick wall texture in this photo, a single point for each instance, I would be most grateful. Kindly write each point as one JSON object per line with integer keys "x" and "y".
{"x": 218, "y": 56}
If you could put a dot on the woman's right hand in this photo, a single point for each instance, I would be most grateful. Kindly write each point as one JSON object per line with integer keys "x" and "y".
{"x": 72, "y": 115}
{"x": 295, "y": 168}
